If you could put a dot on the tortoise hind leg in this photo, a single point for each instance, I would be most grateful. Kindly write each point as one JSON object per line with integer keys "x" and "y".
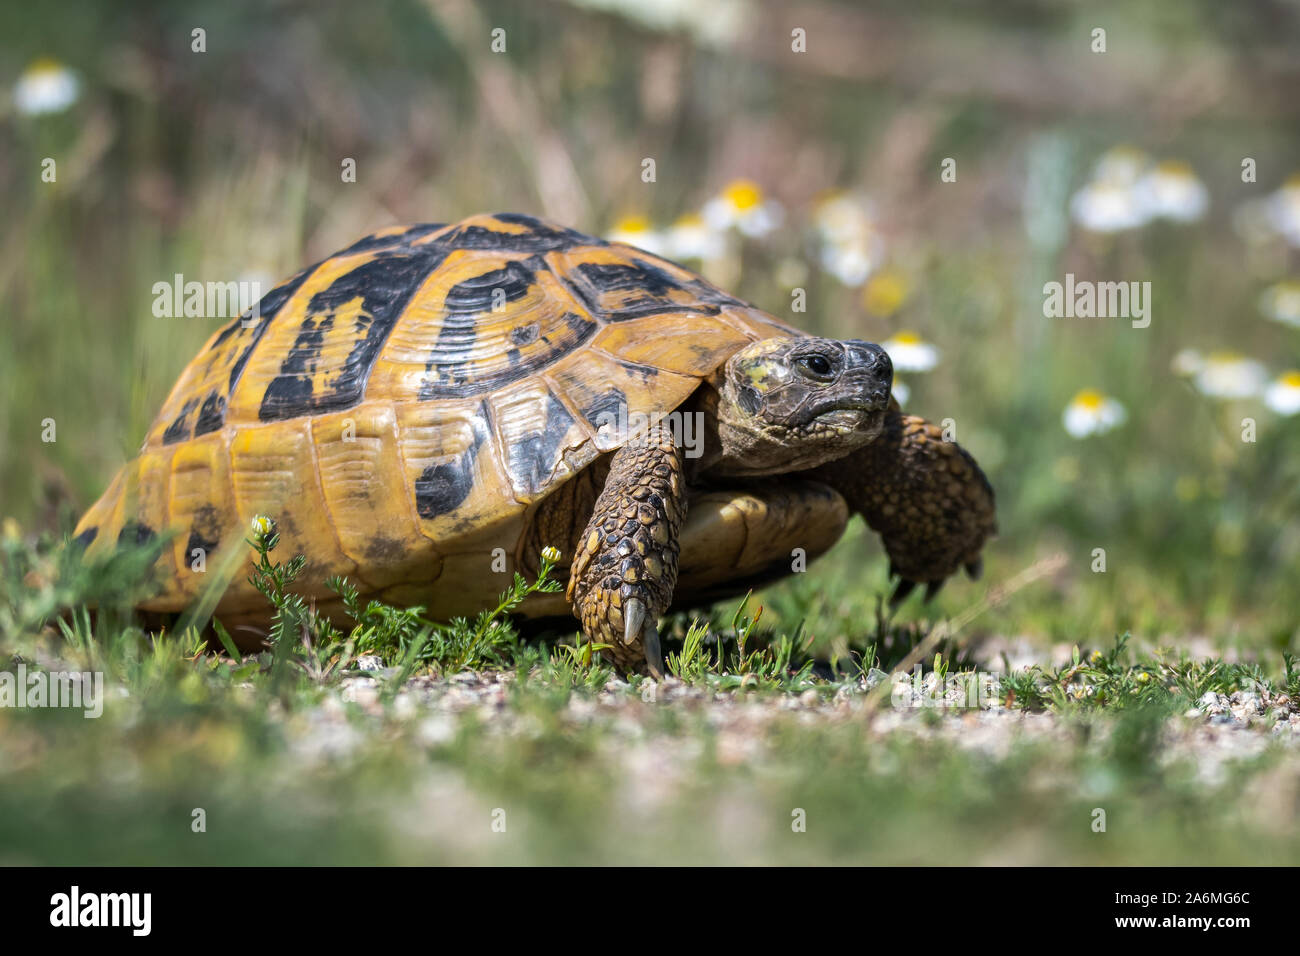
{"x": 625, "y": 567}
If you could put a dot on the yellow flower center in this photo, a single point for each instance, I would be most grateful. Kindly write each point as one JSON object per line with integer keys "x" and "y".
{"x": 743, "y": 194}
{"x": 632, "y": 224}
{"x": 907, "y": 338}
{"x": 1090, "y": 399}
{"x": 1290, "y": 379}
{"x": 1175, "y": 167}
{"x": 44, "y": 66}
{"x": 690, "y": 220}
{"x": 1224, "y": 359}
{"x": 885, "y": 293}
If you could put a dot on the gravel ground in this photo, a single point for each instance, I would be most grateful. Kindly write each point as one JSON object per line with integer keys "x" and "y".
{"x": 1217, "y": 729}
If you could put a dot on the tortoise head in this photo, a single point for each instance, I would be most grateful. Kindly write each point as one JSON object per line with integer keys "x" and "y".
{"x": 786, "y": 404}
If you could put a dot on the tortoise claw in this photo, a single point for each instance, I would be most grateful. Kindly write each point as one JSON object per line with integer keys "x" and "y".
{"x": 975, "y": 568}
{"x": 654, "y": 658}
{"x": 638, "y": 625}
{"x": 933, "y": 588}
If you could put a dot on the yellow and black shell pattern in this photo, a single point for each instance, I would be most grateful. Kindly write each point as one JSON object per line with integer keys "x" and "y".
{"x": 399, "y": 407}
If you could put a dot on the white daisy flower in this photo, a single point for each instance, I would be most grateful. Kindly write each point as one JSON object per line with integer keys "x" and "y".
{"x": 637, "y": 231}
{"x": 1229, "y": 375}
{"x": 691, "y": 238}
{"x": 1107, "y": 207}
{"x": 851, "y": 262}
{"x": 849, "y": 246}
{"x": 47, "y": 86}
{"x": 910, "y": 353}
{"x": 1111, "y": 201}
{"x": 714, "y": 23}
{"x": 1188, "y": 362}
{"x": 842, "y": 217}
{"x": 1284, "y": 210}
{"x": 1121, "y": 166}
{"x": 1283, "y": 394}
{"x": 741, "y": 205}
{"x": 1092, "y": 413}
{"x": 902, "y": 391}
{"x": 1281, "y": 302}
{"x": 1171, "y": 190}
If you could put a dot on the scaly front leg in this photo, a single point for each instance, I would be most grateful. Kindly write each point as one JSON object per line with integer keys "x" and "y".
{"x": 625, "y": 569}
{"x": 926, "y": 497}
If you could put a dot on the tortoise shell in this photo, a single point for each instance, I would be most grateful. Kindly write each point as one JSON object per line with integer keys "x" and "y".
{"x": 401, "y": 408}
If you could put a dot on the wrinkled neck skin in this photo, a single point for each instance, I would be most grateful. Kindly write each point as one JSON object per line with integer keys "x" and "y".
{"x": 735, "y": 445}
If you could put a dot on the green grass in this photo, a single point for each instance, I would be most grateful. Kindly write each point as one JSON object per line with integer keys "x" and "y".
{"x": 289, "y": 762}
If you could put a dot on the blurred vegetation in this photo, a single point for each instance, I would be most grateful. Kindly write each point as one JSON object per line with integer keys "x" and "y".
{"x": 226, "y": 164}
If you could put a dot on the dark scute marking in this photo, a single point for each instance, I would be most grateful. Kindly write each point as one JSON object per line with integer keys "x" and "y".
{"x": 450, "y": 363}
{"x": 533, "y": 458}
{"x": 653, "y": 283}
{"x": 292, "y": 388}
{"x": 268, "y": 308}
{"x": 643, "y": 372}
{"x": 179, "y": 429}
{"x": 385, "y": 284}
{"x": 212, "y": 415}
{"x": 451, "y": 379}
{"x": 441, "y": 489}
{"x": 83, "y": 540}
{"x": 374, "y": 243}
{"x": 540, "y": 237}
{"x": 384, "y": 550}
{"x": 205, "y": 531}
{"x": 607, "y": 277}
{"x": 135, "y": 532}
{"x": 606, "y": 406}
{"x": 524, "y": 334}
{"x": 520, "y": 219}
{"x": 472, "y": 296}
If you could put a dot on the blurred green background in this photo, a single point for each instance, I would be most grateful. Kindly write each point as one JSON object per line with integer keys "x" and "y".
{"x": 225, "y": 165}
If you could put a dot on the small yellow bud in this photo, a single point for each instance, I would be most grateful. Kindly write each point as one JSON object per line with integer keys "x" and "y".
{"x": 262, "y": 526}
{"x": 551, "y": 554}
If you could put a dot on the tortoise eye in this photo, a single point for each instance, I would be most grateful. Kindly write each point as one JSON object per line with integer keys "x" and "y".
{"x": 818, "y": 365}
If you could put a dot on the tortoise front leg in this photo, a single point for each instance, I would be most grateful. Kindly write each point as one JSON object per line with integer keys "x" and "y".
{"x": 926, "y": 498}
{"x": 625, "y": 568}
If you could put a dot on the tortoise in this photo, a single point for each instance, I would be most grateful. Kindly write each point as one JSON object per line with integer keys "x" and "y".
{"x": 427, "y": 409}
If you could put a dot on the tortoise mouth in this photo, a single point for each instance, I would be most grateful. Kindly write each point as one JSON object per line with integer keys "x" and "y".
{"x": 861, "y": 408}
